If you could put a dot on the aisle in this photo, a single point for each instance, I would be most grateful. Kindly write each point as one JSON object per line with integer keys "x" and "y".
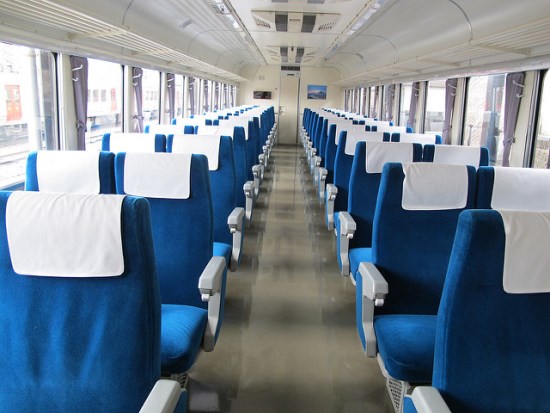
{"x": 288, "y": 342}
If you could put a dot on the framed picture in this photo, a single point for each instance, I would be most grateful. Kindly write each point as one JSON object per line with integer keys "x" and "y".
{"x": 318, "y": 92}
{"x": 262, "y": 94}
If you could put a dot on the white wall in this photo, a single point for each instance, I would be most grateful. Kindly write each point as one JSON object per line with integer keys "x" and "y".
{"x": 267, "y": 78}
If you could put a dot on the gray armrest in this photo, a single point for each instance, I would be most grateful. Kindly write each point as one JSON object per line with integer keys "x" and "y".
{"x": 427, "y": 399}
{"x": 163, "y": 398}
{"x": 257, "y": 172}
{"x": 323, "y": 172}
{"x": 347, "y": 230}
{"x": 235, "y": 222}
{"x": 331, "y": 193}
{"x": 210, "y": 285}
{"x": 375, "y": 288}
{"x": 248, "y": 189}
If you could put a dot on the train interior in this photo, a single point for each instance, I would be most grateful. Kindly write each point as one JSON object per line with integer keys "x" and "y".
{"x": 366, "y": 170}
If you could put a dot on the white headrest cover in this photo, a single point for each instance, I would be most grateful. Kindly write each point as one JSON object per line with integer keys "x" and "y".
{"x": 429, "y": 186}
{"x": 345, "y": 125}
{"x": 68, "y": 171}
{"x": 208, "y": 145}
{"x": 207, "y": 130}
{"x": 380, "y": 153}
{"x": 65, "y": 235}
{"x": 158, "y": 175}
{"x": 526, "y": 258}
{"x": 457, "y": 155}
{"x": 226, "y": 131}
{"x": 166, "y": 129}
{"x": 418, "y": 138}
{"x": 522, "y": 189}
{"x": 353, "y": 138}
{"x": 132, "y": 142}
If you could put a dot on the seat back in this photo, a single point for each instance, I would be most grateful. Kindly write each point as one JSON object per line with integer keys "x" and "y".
{"x": 221, "y": 166}
{"x": 456, "y": 155}
{"x": 364, "y": 183}
{"x": 178, "y": 189}
{"x": 492, "y": 352}
{"x": 513, "y": 188}
{"x": 165, "y": 129}
{"x": 238, "y": 135}
{"x": 413, "y": 230}
{"x": 133, "y": 142}
{"x": 80, "y": 303}
{"x": 70, "y": 171}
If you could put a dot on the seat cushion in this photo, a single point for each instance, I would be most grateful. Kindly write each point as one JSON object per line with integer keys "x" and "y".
{"x": 182, "y": 330}
{"x": 408, "y": 405}
{"x": 406, "y": 344}
{"x": 356, "y": 257}
{"x": 222, "y": 249}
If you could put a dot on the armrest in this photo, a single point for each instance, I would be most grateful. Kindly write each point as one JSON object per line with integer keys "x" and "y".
{"x": 210, "y": 281}
{"x": 257, "y": 172}
{"x": 375, "y": 288}
{"x": 427, "y": 399}
{"x": 210, "y": 285}
{"x": 330, "y": 196}
{"x": 163, "y": 398}
{"x": 248, "y": 189}
{"x": 235, "y": 222}
{"x": 347, "y": 229}
{"x": 323, "y": 173}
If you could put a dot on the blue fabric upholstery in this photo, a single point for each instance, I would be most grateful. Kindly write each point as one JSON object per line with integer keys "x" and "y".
{"x": 492, "y": 352}
{"x": 190, "y": 130}
{"x": 251, "y": 149}
{"x": 106, "y": 173}
{"x": 408, "y": 406}
{"x": 183, "y": 238}
{"x": 82, "y": 344}
{"x": 406, "y": 344}
{"x": 342, "y": 170}
{"x": 181, "y": 324}
{"x": 411, "y": 248}
{"x": 241, "y": 164}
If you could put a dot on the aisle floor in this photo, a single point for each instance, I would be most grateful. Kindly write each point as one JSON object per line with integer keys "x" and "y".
{"x": 288, "y": 341}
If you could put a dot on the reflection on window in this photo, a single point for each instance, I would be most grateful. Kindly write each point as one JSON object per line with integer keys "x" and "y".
{"x": 484, "y": 119}
{"x": 105, "y": 114}
{"x": 374, "y": 96}
{"x": 151, "y": 101}
{"x": 179, "y": 97}
{"x": 435, "y": 107}
{"x": 27, "y": 96}
{"x": 542, "y": 144}
{"x": 404, "y": 104}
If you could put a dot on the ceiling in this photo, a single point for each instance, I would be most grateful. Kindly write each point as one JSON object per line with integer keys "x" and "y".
{"x": 365, "y": 41}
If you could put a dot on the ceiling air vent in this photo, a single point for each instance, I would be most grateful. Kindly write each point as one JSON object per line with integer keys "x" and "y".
{"x": 294, "y": 22}
{"x": 281, "y": 22}
{"x": 308, "y": 23}
{"x": 262, "y": 23}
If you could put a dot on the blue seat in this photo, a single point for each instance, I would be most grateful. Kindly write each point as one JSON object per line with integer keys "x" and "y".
{"x": 133, "y": 142}
{"x": 336, "y": 194}
{"x": 70, "y": 171}
{"x": 80, "y": 305}
{"x": 492, "y": 333}
{"x": 414, "y": 226}
{"x": 178, "y": 189}
{"x": 456, "y": 155}
{"x": 228, "y": 219}
{"x": 354, "y": 226}
{"x": 513, "y": 188}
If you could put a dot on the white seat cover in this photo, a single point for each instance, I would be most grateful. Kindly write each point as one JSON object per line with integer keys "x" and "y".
{"x": 429, "y": 186}
{"x": 521, "y": 189}
{"x": 380, "y": 153}
{"x": 208, "y": 145}
{"x": 457, "y": 155}
{"x": 353, "y": 138}
{"x": 526, "y": 257}
{"x": 68, "y": 171}
{"x": 65, "y": 235}
{"x": 132, "y": 142}
{"x": 158, "y": 175}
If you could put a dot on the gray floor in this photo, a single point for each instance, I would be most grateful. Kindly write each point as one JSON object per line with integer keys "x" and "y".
{"x": 288, "y": 342}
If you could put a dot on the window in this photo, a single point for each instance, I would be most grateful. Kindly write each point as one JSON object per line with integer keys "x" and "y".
{"x": 404, "y": 103}
{"x": 27, "y": 108}
{"x": 192, "y": 97}
{"x": 484, "y": 120}
{"x": 151, "y": 103}
{"x": 179, "y": 97}
{"x": 104, "y": 115}
{"x": 541, "y": 158}
{"x": 374, "y": 101}
{"x": 435, "y": 107}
